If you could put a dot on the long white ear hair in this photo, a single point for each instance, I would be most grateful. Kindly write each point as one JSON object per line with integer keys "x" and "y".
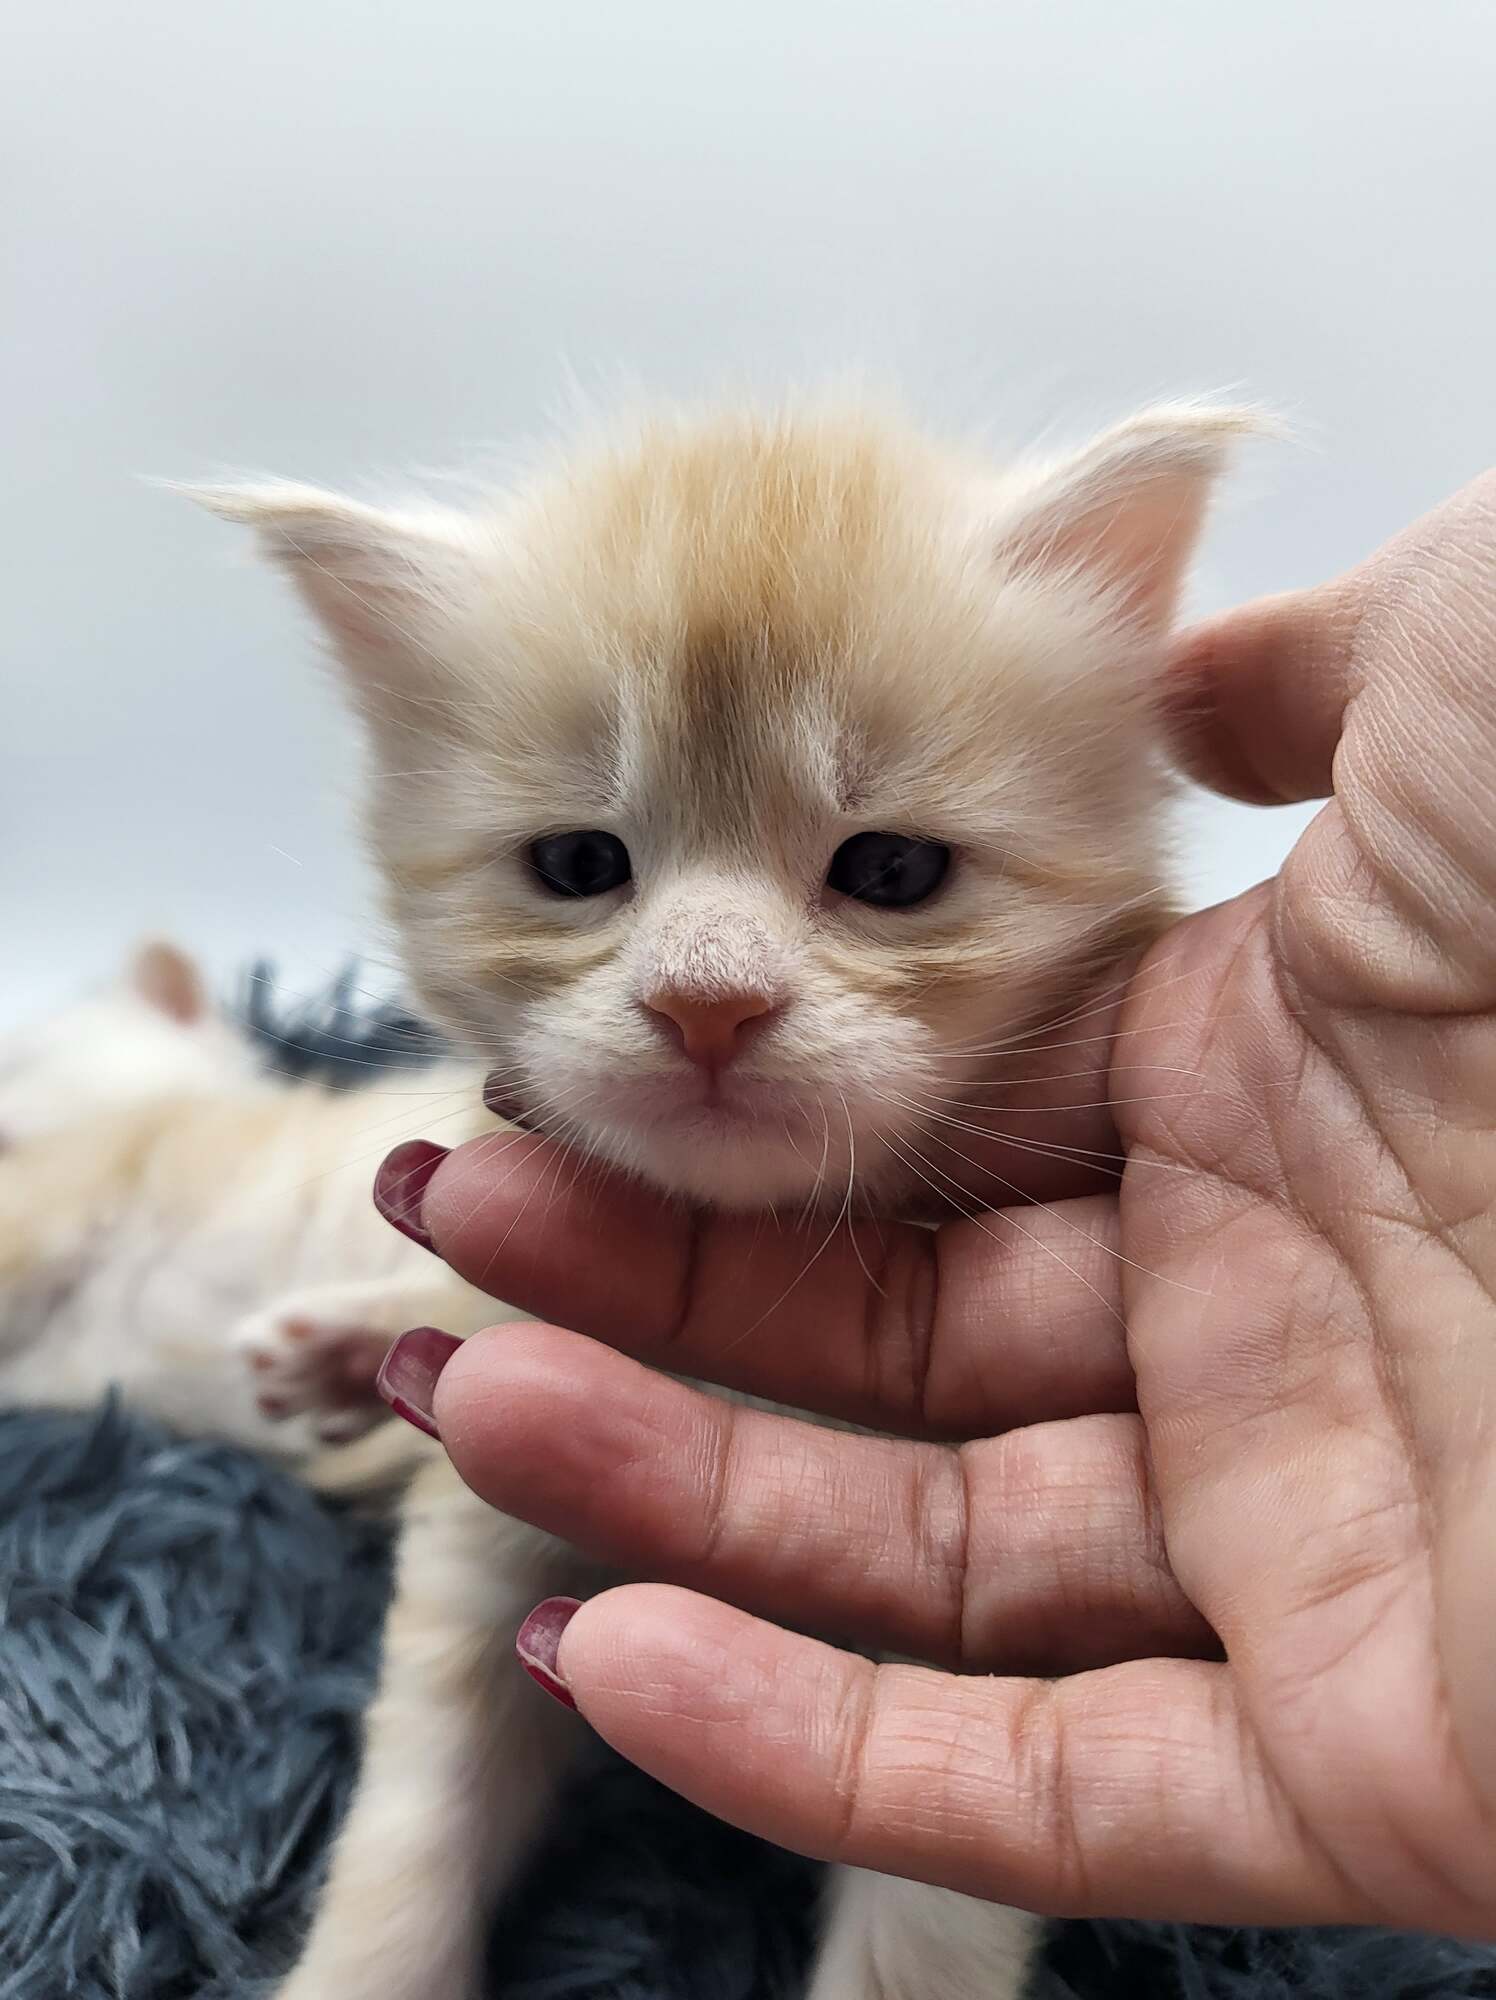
{"x": 385, "y": 586}
{"x": 1124, "y": 513}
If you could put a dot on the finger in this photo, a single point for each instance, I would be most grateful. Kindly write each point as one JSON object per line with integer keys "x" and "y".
{"x": 1005, "y": 1319}
{"x": 1256, "y": 698}
{"x": 1041, "y": 1550}
{"x": 1136, "y": 1790}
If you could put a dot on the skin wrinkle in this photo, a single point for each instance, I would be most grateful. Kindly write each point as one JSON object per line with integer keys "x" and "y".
{"x": 909, "y": 1313}
{"x": 723, "y": 1480}
{"x": 1151, "y": 1514}
{"x": 941, "y": 1504}
{"x": 1065, "y": 1847}
{"x": 1274, "y": 1186}
{"x": 679, "y": 1325}
{"x": 1058, "y": 1516}
{"x": 1423, "y": 1220}
{"x": 1418, "y": 906}
{"x": 1278, "y": 1188}
{"x": 1382, "y": 624}
{"x": 1398, "y": 1408}
{"x": 855, "y": 1736}
{"x": 1251, "y": 1751}
{"x": 1452, "y": 1893}
{"x": 1355, "y": 1573}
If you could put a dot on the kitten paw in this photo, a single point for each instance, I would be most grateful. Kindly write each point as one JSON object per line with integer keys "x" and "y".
{"x": 303, "y": 1363}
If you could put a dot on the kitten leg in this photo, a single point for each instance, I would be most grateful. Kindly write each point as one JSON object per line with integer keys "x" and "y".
{"x": 48, "y": 1219}
{"x": 45, "y": 1222}
{"x": 318, "y": 1350}
{"x": 462, "y": 1757}
{"x": 886, "y": 1939}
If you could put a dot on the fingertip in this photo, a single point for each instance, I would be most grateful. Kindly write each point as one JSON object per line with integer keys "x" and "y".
{"x": 648, "y": 1665}
{"x": 495, "y": 1377}
{"x": 1254, "y": 699}
{"x": 480, "y": 1186}
{"x": 650, "y": 1645}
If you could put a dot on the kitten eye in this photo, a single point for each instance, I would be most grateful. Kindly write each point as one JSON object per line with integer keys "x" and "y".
{"x": 580, "y": 864}
{"x": 889, "y": 870}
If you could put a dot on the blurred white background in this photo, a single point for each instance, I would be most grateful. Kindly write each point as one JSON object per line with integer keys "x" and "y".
{"x": 329, "y": 239}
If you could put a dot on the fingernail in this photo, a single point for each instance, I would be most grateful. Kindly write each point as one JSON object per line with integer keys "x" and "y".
{"x": 501, "y": 1100}
{"x": 538, "y": 1642}
{"x": 400, "y": 1186}
{"x": 408, "y": 1374}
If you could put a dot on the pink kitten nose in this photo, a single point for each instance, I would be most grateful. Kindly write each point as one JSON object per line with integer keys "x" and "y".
{"x": 710, "y": 1031}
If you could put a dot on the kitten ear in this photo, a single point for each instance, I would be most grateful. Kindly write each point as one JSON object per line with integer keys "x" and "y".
{"x": 382, "y": 584}
{"x": 165, "y": 977}
{"x": 1127, "y": 509}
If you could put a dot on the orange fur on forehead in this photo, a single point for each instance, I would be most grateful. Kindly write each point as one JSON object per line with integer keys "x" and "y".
{"x": 772, "y": 599}
{"x": 771, "y": 535}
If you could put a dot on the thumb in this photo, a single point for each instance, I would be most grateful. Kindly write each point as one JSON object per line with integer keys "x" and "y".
{"x": 1255, "y": 699}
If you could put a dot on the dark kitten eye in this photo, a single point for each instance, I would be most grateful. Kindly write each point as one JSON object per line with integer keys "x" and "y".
{"x": 580, "y": 864}
{"x": 890, "y": 870}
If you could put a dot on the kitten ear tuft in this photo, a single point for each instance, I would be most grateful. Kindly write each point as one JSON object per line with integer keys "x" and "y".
{"x": 1126, "y": 510}
{"x": 380, "y": 582}
{"x": 165, "y": 977}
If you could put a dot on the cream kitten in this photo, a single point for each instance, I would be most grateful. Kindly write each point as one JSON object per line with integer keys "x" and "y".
{"x": 179, "y": 1226}
{"x": 743, "y": 787}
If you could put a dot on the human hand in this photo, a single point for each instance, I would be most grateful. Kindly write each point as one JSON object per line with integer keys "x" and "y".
{"x": 1220, "y": 1449}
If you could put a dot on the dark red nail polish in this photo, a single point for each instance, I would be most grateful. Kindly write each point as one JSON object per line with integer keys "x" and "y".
{"x": 400, "y": 1186}
{"x": 538, "y": 1642}
{"x": 408, "y": 1374}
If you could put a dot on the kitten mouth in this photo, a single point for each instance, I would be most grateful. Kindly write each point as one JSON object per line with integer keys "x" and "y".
{"x": 717, "y": 1111}
{"x": 722, "y": 1105}
{"x": 728, "y": 1099}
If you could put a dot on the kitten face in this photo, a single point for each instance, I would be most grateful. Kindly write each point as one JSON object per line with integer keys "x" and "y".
{"x": 732, "y": 653}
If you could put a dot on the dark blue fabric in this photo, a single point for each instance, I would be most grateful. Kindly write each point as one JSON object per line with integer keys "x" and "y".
{"x": 186, "y": 1640}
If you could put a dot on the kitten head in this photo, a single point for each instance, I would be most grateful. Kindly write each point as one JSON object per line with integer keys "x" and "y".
{"x": 153, "y": 1032}
{"x": 741, "y": 784}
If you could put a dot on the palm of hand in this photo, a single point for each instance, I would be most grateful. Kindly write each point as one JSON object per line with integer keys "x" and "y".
{"x": 1312, "y": 1302}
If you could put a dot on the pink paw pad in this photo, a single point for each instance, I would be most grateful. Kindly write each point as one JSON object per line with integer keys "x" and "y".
{"x": 319, "y": 1368}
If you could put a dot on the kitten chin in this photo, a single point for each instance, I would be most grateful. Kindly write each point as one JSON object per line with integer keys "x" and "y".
{"x": 726, "y": 1166}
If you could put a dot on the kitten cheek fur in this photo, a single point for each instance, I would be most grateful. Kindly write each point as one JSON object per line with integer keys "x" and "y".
{"x": 733, "y": 640}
